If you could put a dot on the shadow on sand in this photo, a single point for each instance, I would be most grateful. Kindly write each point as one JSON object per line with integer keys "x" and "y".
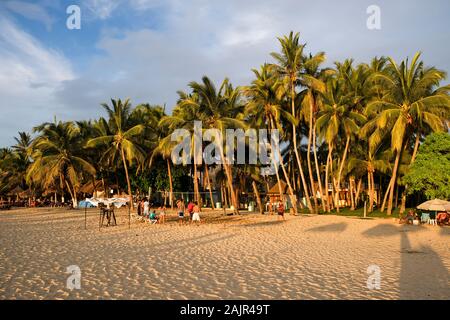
{"x": 263, "y": 224}
{"x": 334, "y": 227}
{"x": 415, "y": 264}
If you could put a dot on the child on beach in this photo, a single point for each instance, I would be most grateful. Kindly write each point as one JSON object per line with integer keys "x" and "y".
{"x": 146, "y": 207}
{"x": 153, "y": 218}
{"x": 196, "y": 213}
{"x": 180, "y": 209}
{"x": 280, "y": 210}
{"x": 190, "y": 209}
{"x": 162, "y": 214}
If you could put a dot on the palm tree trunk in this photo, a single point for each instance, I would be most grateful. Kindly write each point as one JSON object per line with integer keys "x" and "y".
{"x": 416, "y": 147}
{"x": 208, "y": 181}
{"x": 170, "y": 184}
{"x": 286, "y": 177}
{"x": 385, "y": 197}
{"x": 308, "y": 157}
{"x": 340, "y": 172}
{"x": 195, "y": 182}
{"x": 413, "y": 158}
{"x": 369, "y": 189}
{"x": 319, "y": 179}
{"x": 130, "y": 196}
{"x": 326, "y": 177}
{"x": 358, "y": 191}
{"x": 258, "y": 198}
{"x": 392, "y": 183}
{"x": 229, "y": 176}
{"x": 352, "y": 199}
{"x": 297, "y": 156}
{"x": 71, "y": 194}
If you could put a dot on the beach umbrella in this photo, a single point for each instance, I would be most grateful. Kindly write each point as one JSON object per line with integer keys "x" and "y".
{"x": 435, "y": 205}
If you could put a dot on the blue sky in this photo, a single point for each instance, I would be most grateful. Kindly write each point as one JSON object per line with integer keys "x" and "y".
{"x": 148, "y": 49}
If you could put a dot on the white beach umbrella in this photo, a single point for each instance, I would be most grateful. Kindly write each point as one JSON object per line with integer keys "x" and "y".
{"x": 435, "y": 205}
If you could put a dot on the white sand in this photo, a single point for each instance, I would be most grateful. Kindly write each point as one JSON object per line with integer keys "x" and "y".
{"x": 249, "y": 257}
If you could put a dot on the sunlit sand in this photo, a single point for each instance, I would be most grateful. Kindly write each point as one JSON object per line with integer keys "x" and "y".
{"x": 243, "y": 257}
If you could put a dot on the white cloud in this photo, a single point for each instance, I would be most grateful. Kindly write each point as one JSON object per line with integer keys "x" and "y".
{"x": 29, "y": 75}
{"x": 195, "y": 38}
{"x": 30, "y": 11}
{"x": 102, "y": 8}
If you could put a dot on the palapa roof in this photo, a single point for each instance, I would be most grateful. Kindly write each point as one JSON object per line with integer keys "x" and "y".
{"x": 276, "y": 190}
{"x": 435, "y": 205}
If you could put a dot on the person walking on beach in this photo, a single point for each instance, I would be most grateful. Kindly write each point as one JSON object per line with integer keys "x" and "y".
{"x": 280, "y": 211}
{"x": 190, "y": 209}
{"x": 146, "y": 207}
{"x": 196, "y": 213}
{"x": 139, "y": 207}
{"x": 180, "y": 209}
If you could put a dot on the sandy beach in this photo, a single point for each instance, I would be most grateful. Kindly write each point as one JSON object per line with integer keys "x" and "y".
{"x": 244, "y": 257}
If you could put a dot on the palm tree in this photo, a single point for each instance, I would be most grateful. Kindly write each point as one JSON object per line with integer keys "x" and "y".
{"x": 164, "y": 149}
{"x": 313, "y": 79}
{"x": 221, "y": 110}
{"x": 290, "y": 63}
{"x": 266, "y": 110}
{"x": 409, "y": 103}
{"x": 121, "y": 140}
{"x": 58, "y": 157}
{"x": 337, "y": 119}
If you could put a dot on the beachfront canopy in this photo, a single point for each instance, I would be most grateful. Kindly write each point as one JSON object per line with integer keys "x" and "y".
{"x": 435, "y": 205}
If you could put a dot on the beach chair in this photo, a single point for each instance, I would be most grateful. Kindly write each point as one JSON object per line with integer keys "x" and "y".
{"x": 425, "y": 217}
{"x": 432, "y": 219}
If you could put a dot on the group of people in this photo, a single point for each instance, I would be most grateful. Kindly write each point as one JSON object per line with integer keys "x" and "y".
{"x": 192, "y": 209}
{"x": 189, "y": 213}
{"x": 279, "y": 207}
{"x": 147, "y": 213}
{"x": 442, "y": 218}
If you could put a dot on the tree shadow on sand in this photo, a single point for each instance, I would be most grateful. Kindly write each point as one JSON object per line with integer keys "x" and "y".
{"x": 263, "y": 224}
{"x": 334, "y": 227}
{"x": 415, "y": 265}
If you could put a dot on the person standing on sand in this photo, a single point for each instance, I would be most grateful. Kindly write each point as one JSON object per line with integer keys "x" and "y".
{"x": 146, "y": 207}
{"x": 280, "y": 211}
{"x": 139, "y": 207}
{"x": 190, "y": 209}
{"x": 196, "y": 213}
{"x": 180, "y": 209}
{"x": 162, "y": 214}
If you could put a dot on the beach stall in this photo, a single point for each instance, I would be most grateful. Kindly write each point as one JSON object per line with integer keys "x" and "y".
{"x": 438, "y": 211}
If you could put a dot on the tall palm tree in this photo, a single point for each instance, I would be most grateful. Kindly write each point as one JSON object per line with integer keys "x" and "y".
{"x": 411, "y": 100}
{"x": 289, "y": 64}
{"x": 266, "y": 109}
{"x": 217, "y": 109}
{"x": 58, "y": 157}
{"x": 313, "y": 80}
{"x": 122, "y": 138}
{"x": 337, "y": 119}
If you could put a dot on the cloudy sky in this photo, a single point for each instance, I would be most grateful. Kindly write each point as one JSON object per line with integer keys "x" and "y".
{"x": 148, "y": 49}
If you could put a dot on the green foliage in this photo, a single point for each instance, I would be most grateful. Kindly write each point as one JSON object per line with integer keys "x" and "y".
{"x": 430, "y": 173}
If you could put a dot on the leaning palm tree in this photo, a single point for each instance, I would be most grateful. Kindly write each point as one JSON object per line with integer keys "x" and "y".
{"x": 411, "y": 101}
{"x": 265, "y": 110}
{"x": 121, "y": 140}
{"x": 58, "y": 158}
{"x": 313, "y": 80}
{"x": 337, "y": 119}
{"x": 164, "y": 149}
{"x": 289, "y": 64}
{"x": 217, "y": 109}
